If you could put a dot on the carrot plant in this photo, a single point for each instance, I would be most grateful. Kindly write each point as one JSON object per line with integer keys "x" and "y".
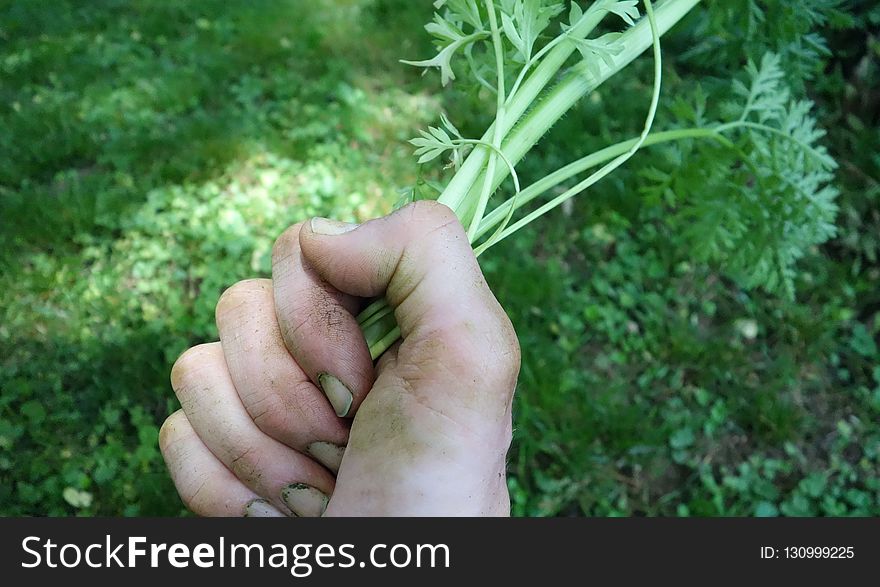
{"x": 538, "y": 58}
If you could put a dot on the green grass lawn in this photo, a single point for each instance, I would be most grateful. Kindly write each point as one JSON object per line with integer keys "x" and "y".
{"x": 151, "y": 151}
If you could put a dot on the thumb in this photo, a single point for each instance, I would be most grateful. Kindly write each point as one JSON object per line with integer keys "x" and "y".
{"x": 419, "y": 257}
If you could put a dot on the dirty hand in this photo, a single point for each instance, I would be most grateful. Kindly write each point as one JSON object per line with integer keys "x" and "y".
{"x": 287, "y": 414}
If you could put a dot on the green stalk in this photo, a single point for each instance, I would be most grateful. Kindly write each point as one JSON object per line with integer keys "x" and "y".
{"x": 374, "y": 308}
{"x": 466, "y": 177}
{"x": 580, "y": 81}
{"x": 577, "y": 83}
{"x": 610, "y": 166}
{"x": 380, "y": 330}
{"x": 548, "y": 182}
{"x": 557, "y": 53}
{"x": 592, "y": 160}
{"x": 499, "y": 122}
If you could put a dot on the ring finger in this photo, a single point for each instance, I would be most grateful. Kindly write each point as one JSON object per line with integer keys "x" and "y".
{"x": 288, "y": 479}
{"x": 204, "y": 484}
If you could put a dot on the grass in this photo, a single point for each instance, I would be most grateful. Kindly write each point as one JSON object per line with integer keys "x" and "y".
{"x": 153, "y": 150}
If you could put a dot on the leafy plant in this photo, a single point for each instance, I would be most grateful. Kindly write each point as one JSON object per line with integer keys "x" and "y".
{"x": 769, "y": 194}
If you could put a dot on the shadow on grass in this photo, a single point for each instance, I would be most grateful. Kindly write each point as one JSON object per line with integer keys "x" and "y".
{"x": 108, "y": 100}
{"x": 82, "y": 415}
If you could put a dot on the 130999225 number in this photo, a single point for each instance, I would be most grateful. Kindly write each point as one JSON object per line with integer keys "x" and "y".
{"x": 843, "y": 552}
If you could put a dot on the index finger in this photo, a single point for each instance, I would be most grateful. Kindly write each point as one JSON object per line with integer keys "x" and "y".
{"x": 319, "y": 328}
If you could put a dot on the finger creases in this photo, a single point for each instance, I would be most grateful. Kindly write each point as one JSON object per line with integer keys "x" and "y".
{"x": 268, "y": 467}
{"x": 205, "y": 485}
{"x": 277, "y": 393}
{"x": 318, "y": 327}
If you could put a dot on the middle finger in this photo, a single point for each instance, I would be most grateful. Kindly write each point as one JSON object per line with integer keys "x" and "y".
{"x": 278, "y": 395}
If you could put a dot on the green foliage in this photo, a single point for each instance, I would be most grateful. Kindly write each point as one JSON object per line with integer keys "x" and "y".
{"x": 450, "y": 38}
{"x": 524, "y": 22}
{"x": 730, "y": 30}
{"x": 651, "y": 386}
{"x": 756, "y": 207}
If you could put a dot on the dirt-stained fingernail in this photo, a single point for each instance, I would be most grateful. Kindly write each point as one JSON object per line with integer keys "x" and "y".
{"x": 327, "y": 453}
{"x": 260, "y": 508}
{"x": 337, "y": 392}
{"x": 328, "y": 227}
{"x": 304, "y": 500}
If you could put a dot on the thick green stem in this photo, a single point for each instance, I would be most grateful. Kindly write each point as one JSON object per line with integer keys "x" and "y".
{"x": 499, "y": 123}
{"x": 379, "y": 327}
{"x": 611, "y": 165}
{"x": 576, "y": 84}
{"x": 466, "y": 177}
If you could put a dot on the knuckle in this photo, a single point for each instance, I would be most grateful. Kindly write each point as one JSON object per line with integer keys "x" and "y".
{"x": 311, "y": 411}
{"x": 287, "y": 242}
{"x": 293, "y": 416}
{"x": 173, "y": 428}
{"x": 270, "y": 415}
{"x": 245, "y": 463}
{"x": 431, "y": 220}
{"x": 294, "y": 328}
{"x": 328, "y": 315}
{"x": 313, "y": 315}
{"x": 192, "y": 361}
{"x": 432, "y": 212}
{"x": 242, "y": 293}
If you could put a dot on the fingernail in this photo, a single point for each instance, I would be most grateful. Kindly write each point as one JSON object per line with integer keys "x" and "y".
{"x": 336, "y": 391}
{"x": 327, "y": 453}
{"x": 330, "y": 227}
{"x": 304, "y": 500}
{"x": 260, "y": 508}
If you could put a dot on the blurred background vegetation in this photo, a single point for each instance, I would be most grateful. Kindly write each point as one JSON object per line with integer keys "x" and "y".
{"x": 152, "y": 150}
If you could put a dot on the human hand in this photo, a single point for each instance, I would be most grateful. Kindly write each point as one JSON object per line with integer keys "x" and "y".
{"x": 431, "y": 422}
